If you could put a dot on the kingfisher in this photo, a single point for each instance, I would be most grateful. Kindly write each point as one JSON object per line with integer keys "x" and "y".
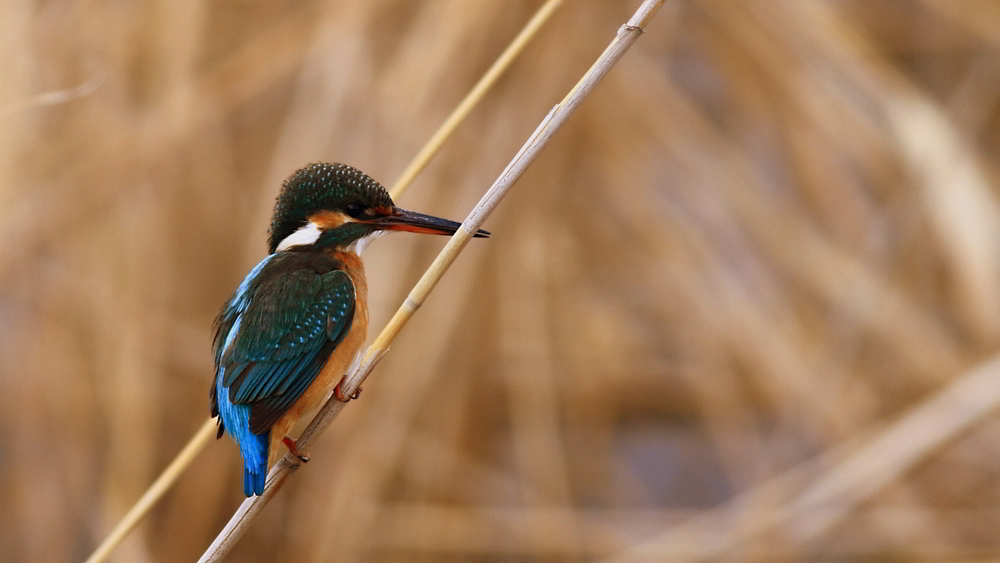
{"x": 287, "y": 336}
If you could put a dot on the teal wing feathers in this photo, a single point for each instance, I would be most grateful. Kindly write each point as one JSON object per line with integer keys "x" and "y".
{"x": 291, "y": 325}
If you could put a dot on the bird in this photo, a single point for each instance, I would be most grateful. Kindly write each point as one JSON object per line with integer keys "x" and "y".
{"x": 285, "y": 339}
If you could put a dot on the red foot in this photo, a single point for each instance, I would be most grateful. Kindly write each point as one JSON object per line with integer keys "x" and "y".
{"x": 290, "y": 444}
{"x": 340, "y": 394}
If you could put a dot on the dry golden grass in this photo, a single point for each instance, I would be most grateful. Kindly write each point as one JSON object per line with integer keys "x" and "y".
{"x": 745, "y": 306}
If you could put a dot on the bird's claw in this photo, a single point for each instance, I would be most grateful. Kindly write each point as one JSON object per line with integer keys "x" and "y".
{"x": 340, "y": 394}
{"x": 292, "y": 449}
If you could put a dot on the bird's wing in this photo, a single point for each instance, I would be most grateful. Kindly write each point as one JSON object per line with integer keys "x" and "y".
{"x": 291, "y": 325}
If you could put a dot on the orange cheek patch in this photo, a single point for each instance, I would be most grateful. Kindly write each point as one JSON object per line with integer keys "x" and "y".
{"x": 327, "y": 220}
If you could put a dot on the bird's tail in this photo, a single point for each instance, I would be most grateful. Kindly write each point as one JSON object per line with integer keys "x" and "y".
{"x": 255, "y": 464}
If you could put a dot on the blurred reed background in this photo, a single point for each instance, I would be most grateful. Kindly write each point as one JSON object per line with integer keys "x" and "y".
{"x": 718, "y": 319}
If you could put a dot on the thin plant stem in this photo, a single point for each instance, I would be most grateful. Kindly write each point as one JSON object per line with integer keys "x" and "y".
{"x": 56, "y": 97}
{"x": 166, "y": 480}
{"x": 474, "y": 96}
{"x": 626, "y": 36}
{"x": 155, "y": 492}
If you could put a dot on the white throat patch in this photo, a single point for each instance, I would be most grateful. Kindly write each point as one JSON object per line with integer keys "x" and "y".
{"x": 359, "y": 245}
{"x": 306, "y": 234}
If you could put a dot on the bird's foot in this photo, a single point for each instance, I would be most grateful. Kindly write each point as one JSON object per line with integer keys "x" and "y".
{"x": 292, "y": 449}
{"x": 340, "y": 394}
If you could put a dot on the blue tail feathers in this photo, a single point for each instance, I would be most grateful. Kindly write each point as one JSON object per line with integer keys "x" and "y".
{"x": 253, "y": 447}
{"x": 255, "y": 466}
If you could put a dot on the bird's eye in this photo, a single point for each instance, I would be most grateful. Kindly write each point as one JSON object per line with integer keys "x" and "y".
{"x": 353, "y": 209}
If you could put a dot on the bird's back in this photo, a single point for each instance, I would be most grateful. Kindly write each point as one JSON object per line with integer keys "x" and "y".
{"x": 339, "y": 361}
{"x": 284, "y": 340}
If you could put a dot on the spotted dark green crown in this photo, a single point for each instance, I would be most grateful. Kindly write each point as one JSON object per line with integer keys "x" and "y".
{"x": 321, "y": 186}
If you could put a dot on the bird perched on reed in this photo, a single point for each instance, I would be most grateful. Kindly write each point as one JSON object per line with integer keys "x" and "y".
{"x": 286, "y": 337}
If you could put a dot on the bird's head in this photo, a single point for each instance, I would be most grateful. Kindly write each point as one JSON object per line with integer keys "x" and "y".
{"x": 334, "y": 206}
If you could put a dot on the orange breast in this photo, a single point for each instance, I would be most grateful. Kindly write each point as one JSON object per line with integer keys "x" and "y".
{"x": 338, "y": 363}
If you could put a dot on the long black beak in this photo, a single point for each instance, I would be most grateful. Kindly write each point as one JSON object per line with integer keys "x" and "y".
{"x": 403, "y": 220}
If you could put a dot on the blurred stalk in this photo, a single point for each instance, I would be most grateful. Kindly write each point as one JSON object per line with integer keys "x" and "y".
{"x": 155, "y": 492}
{"x": 471, "y": 99}
{"x": 808, "y": 499}
{"x": 56, "y": 97}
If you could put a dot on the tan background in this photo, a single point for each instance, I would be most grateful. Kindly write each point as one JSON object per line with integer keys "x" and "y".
{"x": 769, "y": 235}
